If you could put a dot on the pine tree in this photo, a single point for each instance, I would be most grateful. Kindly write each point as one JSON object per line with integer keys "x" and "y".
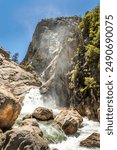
{"x": 15, "y": 57}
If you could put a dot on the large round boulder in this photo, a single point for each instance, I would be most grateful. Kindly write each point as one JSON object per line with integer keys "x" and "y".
{"x": 69, "y": 120}
{"x": 43, "y": 114}
{"x": 9, "y": 109}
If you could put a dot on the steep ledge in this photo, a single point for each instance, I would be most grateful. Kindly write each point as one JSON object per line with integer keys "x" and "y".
{"x": 50, "y": 53}
{"x": 13, "y": 77}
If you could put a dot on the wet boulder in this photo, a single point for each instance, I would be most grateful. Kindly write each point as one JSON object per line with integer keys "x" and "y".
{"x": 92, "y": 141}
{"x": 52, "y": 132}
{"x": 30, "y": 122}
{"x": 69, "y": 120}
{"x": 43, "y": 114}
{"x": 26, "y": 137}
{"x": 9, "y": 108}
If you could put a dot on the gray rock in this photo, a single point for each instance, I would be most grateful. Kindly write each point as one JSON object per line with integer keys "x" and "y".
{"x": 43, "y": 114}
{"x": 50, "y": 54}
{"x": 13, "y": 77}
{"x": 25, "y": 137}
{"x": 31, "y": 122}
{"x": 69, "y": 120}
{"x": 92, "y": 141}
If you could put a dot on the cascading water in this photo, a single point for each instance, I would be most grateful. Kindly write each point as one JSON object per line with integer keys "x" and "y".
{"x": 34, "y": 99}
{"x": 72, "y": 143}
{"x": 55, "y": 135}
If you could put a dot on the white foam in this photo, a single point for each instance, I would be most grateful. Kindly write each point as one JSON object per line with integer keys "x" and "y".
{"x": 34, "y": 99}
{"x": 72, "y": 143}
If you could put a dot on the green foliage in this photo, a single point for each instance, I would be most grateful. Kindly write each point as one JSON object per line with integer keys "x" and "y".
{"x": 15, "y": 57}
{"x": 85, "y": 74}
{"x": 89, "y": 81}
{"x": 74, "y": 72}
{"x": 90, "y": 26}
{"x": 85, "y": 25}
{"x": 92, "y": 53}
{"x": 83, "y": 89}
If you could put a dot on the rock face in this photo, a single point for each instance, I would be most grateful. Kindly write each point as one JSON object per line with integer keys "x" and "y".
{"x": 50, "y": 54}
{"x": 42, "y": 114}
{"x": 91, "y": 110}
{"x": 25, "y": 137}
{"x": 1, "y": 133}
{"x": 69, "y": 120}
{"x": 9, "y": 108}
{"x": 92, "y": 141}
{"x": 14, "y": 82}
{"x": 13, "y": 77}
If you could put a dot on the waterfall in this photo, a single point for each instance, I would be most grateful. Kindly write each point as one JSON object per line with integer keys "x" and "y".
{"x": 34, "y": 99}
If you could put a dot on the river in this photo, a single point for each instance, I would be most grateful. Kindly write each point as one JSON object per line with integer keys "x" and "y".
{"x": 33, "y": 99}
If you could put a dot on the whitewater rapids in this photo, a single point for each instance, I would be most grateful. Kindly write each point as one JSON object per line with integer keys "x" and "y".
{"x": 34, "y": 99}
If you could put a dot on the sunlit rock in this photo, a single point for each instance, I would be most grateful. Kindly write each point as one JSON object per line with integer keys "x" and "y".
{"x": 9, "y": 108}
{"x": 25, "y": 137}
{"x": 43, "y": 114}
{"x": 13, "y": 77}
{"x": 69, "y": 120}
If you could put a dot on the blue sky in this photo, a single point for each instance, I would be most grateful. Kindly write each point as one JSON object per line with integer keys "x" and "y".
{"x": 18, "y": 19}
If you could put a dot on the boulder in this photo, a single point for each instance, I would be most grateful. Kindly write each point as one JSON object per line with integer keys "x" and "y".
{"x": 43, "y": 114}
{"x": 69, "y": 120}
{"x": 30, "y": 122}
{"x": 25, "y": 137}
{"x": 92, "y": 141}
{"x": 9, "y": 108}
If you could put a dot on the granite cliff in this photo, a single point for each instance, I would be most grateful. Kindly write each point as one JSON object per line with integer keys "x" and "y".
{"x": 49, "y": 54}
{"x": 64, "y": 53}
